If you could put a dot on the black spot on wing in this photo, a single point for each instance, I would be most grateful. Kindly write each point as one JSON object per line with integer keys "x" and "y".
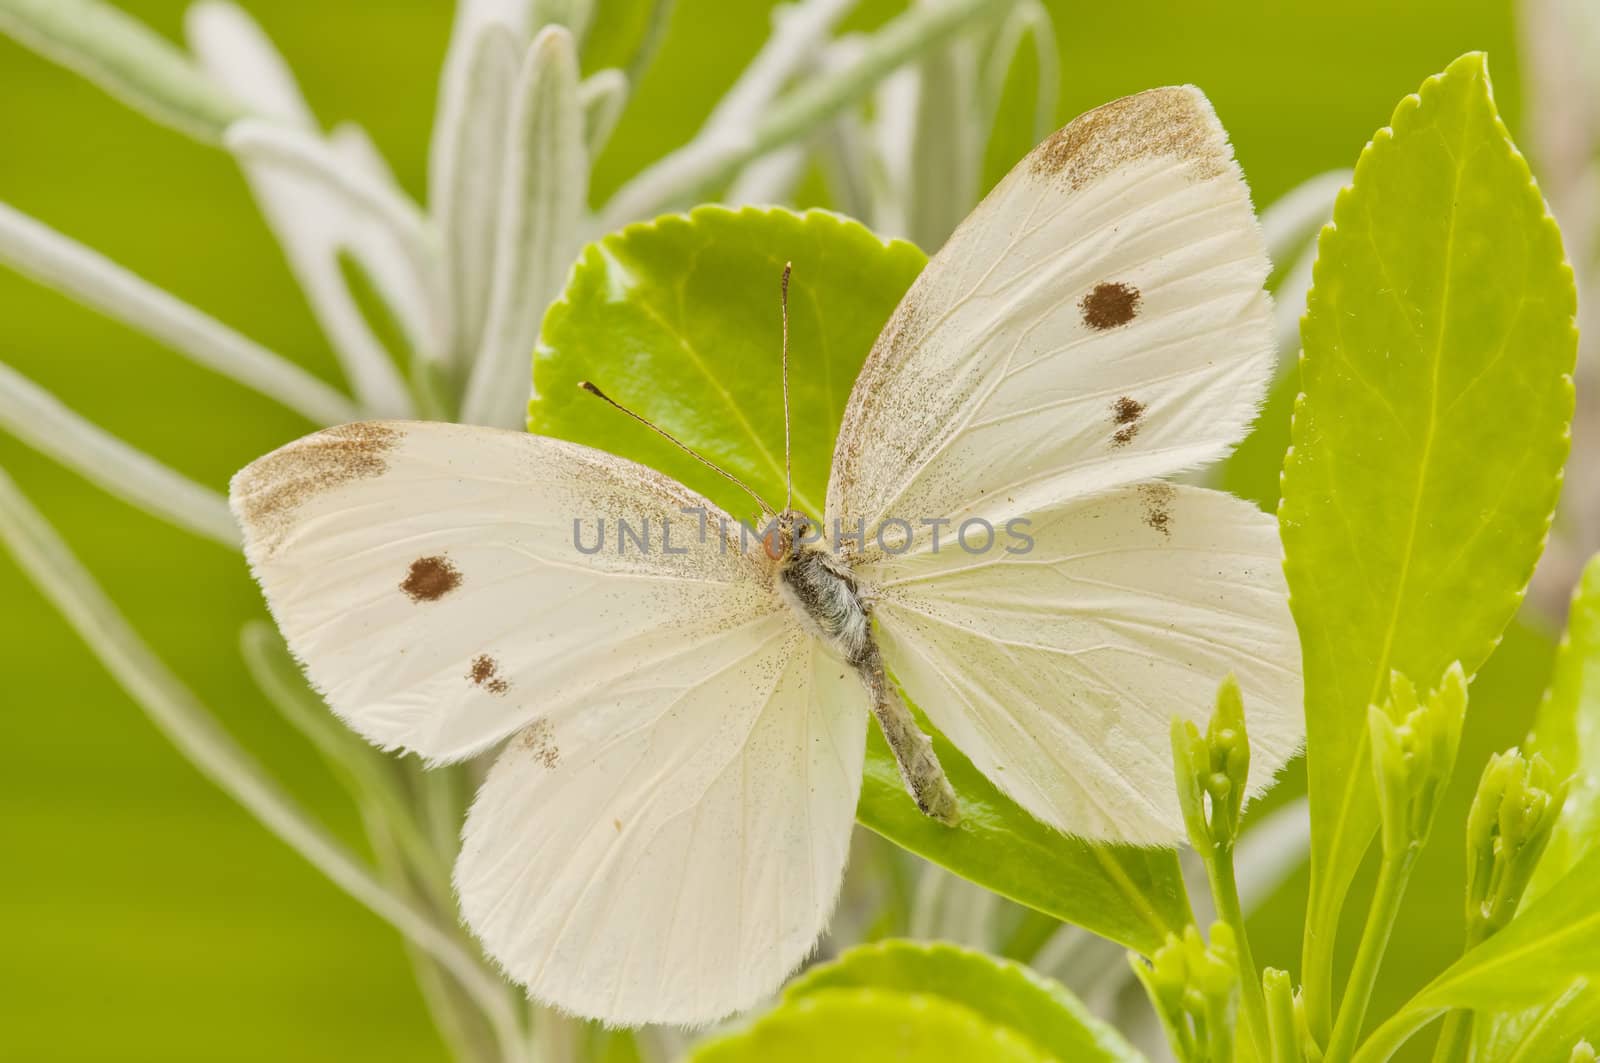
{"x": 1125, "y": 414}
{"x": 430, "y": 578}
{"x": 485, "y": 672}
{"x": 1109, "y": 305}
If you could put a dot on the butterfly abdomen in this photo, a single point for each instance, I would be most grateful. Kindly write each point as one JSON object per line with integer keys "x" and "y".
{"x": 822, "y": 590}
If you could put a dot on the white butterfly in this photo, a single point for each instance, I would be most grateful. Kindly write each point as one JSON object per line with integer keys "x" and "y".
{"x": 663, "y": 836}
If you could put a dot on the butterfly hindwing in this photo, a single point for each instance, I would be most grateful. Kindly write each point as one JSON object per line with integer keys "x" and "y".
{"x": 1058, "y": 672}
{"x": 678, "y": 868}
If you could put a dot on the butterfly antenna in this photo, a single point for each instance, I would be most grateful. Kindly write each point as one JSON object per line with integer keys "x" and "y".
{"x": 788, "y": 454}
{"x": 680, "y": 444}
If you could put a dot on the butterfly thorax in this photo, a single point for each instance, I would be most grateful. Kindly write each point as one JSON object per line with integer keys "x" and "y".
{"x": 822, "y": 591}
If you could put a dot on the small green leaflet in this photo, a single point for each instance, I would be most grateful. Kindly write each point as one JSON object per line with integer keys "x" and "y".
{"x": 679, "y": 320}
{"x": 1535, "y": 960}
{"x": 871, "y": 1024}
{"x": 873, "y": 1003}
{"x": 1567, "y": 732}
{"x": 1006, "y": 994}
{"x": 1440, "y": 326}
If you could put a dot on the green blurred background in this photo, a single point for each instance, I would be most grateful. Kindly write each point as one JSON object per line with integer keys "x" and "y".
{"x": 142, "y": 914}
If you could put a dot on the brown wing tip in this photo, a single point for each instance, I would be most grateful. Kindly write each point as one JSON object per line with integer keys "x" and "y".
{"x": 1176, "y": 121}
{"x": 267, "y": 493}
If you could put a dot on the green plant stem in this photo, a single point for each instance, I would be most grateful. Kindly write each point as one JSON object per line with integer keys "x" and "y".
{"x": 654, "y": 33}
{"x": 704, "y": 164}
{"x": 1225, "y": 893}
{"x": 1395, "y": 1031}
{"x": 1455, "y": 1038}
{"x": 371, "y": 782}
{"x": 460, "y": 1020}
{"x": 1279, "y": 994}
{"x": 44, "y": 423}
{"x": 125, "y": 58}
{"x": 1393, "y": 875}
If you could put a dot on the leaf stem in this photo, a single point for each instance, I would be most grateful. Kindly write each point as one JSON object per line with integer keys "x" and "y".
{"x": 371, "y": 782}
{"x": 1394, "y": 1032}
{"x": 41, "y": 421}
{"x": 1455, "y": 1035}
{"x": 654, "y": 33}
{"x": 461, "y": 1022}
{"x": 707, "y": 161}
{"x": 126, "y": 59}
{"x": 1225, "y": 894}
{"x": 1455, "y": 1038}
{"x": 799, "y": 32}
{"x": 40, "y": 253}
{"x": 310, "y": 158}
{"x": 176, "y": 712}
{"x": 1393, "y": 875}
{"x": 1283, "y": 1040}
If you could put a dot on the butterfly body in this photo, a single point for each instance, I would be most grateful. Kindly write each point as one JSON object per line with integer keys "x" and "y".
{"x": 822, "y": 589}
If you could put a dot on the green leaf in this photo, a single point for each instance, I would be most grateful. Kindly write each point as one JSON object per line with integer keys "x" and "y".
{"x": 1545, "y": 1032}
{"x": 679, "y": 319}
{"x": 1006, "y": 994}
{"x": 1427, "y": 443}
{"x": 1535, "y": 960}
{"x": 1131, "y": 895}
{"x": 871, "y": 1026}
{"x": 1567, "y": 732}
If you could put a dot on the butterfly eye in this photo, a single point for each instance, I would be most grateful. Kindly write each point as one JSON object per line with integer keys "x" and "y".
{"x": 773, "y": 543}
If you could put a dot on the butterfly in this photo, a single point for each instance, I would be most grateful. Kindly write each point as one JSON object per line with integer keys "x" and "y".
{"x": 681, "y": 731}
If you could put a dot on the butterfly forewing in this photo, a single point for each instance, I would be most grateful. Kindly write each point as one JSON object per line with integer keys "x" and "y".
{"x": 1098, "y": 319}
{"x": 430, "y": 577}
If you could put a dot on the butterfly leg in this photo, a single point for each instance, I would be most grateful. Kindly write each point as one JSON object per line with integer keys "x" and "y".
{"x": 913, "y": 751}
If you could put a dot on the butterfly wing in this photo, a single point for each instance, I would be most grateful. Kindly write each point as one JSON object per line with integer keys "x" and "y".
{"x": 664, "y": 836}
{"x": 1058, "y": 672}
{"x": 673, "y": 865}
{"x": 1098, "y": 321}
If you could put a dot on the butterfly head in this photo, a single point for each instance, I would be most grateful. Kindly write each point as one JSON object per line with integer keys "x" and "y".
{"x": 790, "y": 532}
